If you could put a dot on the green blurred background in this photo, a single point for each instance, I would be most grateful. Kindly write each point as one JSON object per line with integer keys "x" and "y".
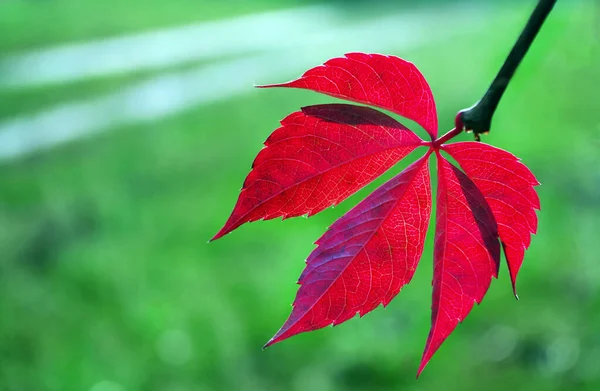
{"x": 112, "y": 181}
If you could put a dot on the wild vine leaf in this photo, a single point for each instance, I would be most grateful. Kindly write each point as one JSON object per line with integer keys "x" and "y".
{"x": 377, "y": 80}
{"x": 323, "y": 154}
{"x": 317, "y": 158}
{"x": 366, "y": 257}
{"x": 466, "y": 253}
{"x": 508, "y": 187}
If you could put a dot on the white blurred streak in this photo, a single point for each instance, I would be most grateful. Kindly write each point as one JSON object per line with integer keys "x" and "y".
{"x": 146, "y": 101}
{"x": 296, "y": 28}
{"x": 162, "y": 48}
{"x": 173, "y": 93}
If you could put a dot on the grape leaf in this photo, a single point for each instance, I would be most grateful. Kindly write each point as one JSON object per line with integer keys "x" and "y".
{"x": 323, "y": 154}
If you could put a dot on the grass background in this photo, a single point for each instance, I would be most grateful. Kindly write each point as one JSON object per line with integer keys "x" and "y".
{"x": 107, "y": 283}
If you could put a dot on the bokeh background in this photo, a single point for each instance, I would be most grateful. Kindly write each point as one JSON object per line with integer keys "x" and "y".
{"x": 128, "y": 126}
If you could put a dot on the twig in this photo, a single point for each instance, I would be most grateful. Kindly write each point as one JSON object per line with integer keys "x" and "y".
{"x": 478, "y": 118}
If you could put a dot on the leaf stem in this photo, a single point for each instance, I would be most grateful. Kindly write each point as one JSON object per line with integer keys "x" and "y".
{"x": 458, "y": 128}
{"x": 478, "y": 118}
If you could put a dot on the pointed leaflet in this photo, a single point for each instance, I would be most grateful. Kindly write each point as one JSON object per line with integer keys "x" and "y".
{"x": 466, "y": 253}
{"x": 365, "y": 257}
{"x": 508, "y": 187}
{"x": 374, "y": 79}
{"x": 317, "y": 158}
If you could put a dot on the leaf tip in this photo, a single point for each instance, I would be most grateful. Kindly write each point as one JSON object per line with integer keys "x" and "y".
{"x": 269, "y": 343}
{"x": 421, "y": 368}
{"x": 271, "y": 85}
{"x": 222, "y": 232}
{"x": 427, "y": 354}
{"x": 275, "y": 339}
{"x": 225, "y": 230}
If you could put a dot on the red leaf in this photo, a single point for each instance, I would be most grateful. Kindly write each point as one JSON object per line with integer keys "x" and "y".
{"x": 323, "y": 154}
{"x": 508, "y": 187}
{"x": 466, "y": 253}
{"x": 319, "y": 157}
{"x": 365, "y": 257}
{"x": 374, "y": 79}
